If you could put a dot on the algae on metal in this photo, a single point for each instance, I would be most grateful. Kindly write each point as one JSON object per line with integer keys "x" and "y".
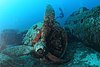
{"x": 86, "y": 26}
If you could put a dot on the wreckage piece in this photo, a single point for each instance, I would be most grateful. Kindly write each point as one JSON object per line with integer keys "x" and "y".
{"x": 17, "y": 51}
{"x": 84, "y": 25}
{"x": 47, "y": 37}
{"x": 53, "y": 35}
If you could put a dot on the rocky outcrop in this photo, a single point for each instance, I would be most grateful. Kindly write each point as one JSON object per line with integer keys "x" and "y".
{"x": 81, "y": 10}
{"x": 11, "y": 37}
{"x": 85, "y": 25}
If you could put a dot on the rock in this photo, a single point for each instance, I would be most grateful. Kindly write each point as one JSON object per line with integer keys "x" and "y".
{"x": 2, "y": 47}
{"x": 81, "y": 10}
{"x": 82, "y": 56}
{"x": 11, "y": 37}
{"x": 86, "y": 26}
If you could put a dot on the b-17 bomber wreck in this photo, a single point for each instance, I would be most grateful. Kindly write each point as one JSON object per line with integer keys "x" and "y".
{"x": 45, "y": 42}
{"x": 48, "y": 38}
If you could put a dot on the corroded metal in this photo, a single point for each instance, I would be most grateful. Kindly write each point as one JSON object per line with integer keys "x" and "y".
{"x": 53, "y": 35}
{"x": 48, "y": 38}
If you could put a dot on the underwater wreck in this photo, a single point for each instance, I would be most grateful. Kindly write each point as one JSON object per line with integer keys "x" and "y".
{"x": 48, "y": 36}
{"x": 46, "y": 43}
{"x": 85, "y": 25}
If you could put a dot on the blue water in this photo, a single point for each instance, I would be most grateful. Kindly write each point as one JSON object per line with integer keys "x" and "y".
{"x": 22, "y": 14}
